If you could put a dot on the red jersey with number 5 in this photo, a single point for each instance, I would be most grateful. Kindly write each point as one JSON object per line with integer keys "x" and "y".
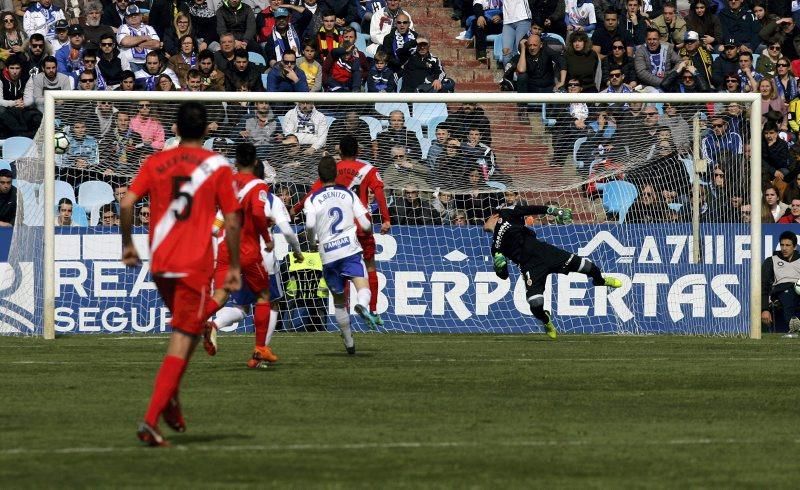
{"x": 252, "y": 195}
{"x": 185, "y": 185}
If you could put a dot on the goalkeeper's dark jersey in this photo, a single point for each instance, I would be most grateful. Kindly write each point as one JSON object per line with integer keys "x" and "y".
{"x": 516, "y": 241}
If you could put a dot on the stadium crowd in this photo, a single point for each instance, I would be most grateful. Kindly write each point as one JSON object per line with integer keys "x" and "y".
{"x": 358, "y": 45}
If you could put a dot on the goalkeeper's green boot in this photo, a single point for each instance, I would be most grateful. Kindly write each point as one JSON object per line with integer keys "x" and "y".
{"x": 378, "y": 319}
{"x": 549, "y": 328}
{"x": 613, "y": 282}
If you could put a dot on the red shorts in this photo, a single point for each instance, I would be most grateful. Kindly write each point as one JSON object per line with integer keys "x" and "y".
{"x": 367, "y": 242}
{"x": 254, "y": 275}
{"x": 186, "y": 298}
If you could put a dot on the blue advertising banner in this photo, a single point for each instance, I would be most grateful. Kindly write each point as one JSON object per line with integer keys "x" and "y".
{"x": 435, "y": 279}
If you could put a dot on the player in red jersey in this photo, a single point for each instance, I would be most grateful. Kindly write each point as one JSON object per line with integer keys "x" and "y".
{"x": 185, "y": 185}
{"x": 352, "y": 173}
{"x": 252, "y": 196}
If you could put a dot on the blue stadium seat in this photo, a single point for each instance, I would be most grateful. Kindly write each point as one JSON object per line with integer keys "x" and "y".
{"x": 257, "y": 58}
{"x": 413, "y": 124}
{"x": 618, "y": 196}
{"x": 386, "y": 108}
{"x": 575, "y": 148}
{"x": 756, "y": 56}
{"x": 16, "y": 147}
{"x": 425, "y": 145}
{"x": 548, "y": 122}
{"x": 92, "y": 195}
{"x": 63, "y": 190}
{"x": 375, "y": 126}
{"x": 5, "y": 165}
{"x": 426, "y": 111}
{"x": 264, "y": 77}
{"x": 361, "y": 42}
{"x": 31, "y": 206}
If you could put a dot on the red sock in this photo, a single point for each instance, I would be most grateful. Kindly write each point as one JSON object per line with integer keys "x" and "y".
{"x": 167, "y": 381}
{"x": 261, "y": 322}
{"x": 210, "y": 308}
{"x": 373, "y": 289}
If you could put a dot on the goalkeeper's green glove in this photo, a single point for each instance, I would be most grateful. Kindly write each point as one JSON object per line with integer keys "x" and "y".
{"x": 563, "y": 215}
{"x": 500, "y": 262}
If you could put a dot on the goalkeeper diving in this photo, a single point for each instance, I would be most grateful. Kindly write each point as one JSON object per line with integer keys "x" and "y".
{"x": 513, "y": 241}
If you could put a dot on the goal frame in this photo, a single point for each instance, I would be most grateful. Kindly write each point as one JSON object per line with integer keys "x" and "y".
{"x": 51, "y": 97}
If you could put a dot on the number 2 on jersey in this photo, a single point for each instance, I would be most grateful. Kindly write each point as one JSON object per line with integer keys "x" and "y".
{"x": 177, "y": 183}
{"x": 337, "y": 216}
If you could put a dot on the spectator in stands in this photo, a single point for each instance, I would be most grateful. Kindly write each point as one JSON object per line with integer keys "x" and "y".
{"x": 771, "y": 101}
{"x": 311, "y": 67}
{"x": 283, "y": 38}
{"x": 286, "y": 76}
{"x": 329, "y": 36}
{"x": 154, "y": 67}
{"x": 785, "y": 81}
{"x": 237, "y": 18}
{"x": 69, "y": 55}
{"x": 108, "y": 215}
{"x": 459, "y": 219}
{"x": 488, "y": 21}
{"x": 549, "y": 15}
{"x": 345, "y": 13}
{"x": 581, "y": 62}
{"x": 395, "y": 135}
{"x": 175, "y": 35}
{"x": 136, "y": 39}
{"x": 61, "y": 37}
{"x": 114, "y": 14}
{"x": 213, "y": 78}
{"x": 48, "y": 79}
{"x": 775, "y": 160}
{"x": 469, "y": 115}
{"x": 437, "y": 146}
{"x": 696, "y": 55}
{"x": 785, "y": 32}
{"x": 350, "y": 124}
{"x": 365, "y": 9}
{"x": 478, "y": 201}
{"x": 731, "y": 84}
{"x": 740, "y": 24}
{"x": 185, "y": 58}
{"x": 654, "y": 60}
{"x": 12, "y": 37}
{"x": 685, "y": 78}
{"x": 41, "y": 17}
{"x": 110, "y": 64}
{"x": 671, "y": 26}
{"x": 720, "y": 140}
{"x": 635, "y": 24}
{"x": 383, "y": 21}
{"x": 34, "y": 54}
{"x": 308, "y": 126}
{"x": 792, "y": 190}
{"x": 705, "y": 24}
{"x": 411, "y": 209}
{"x": 678, "y": 126}
{"x": 647, "y": 208}
{"x": 581, "y": 16}
{"x": 443, "y": 203}
{"x": 165, "y": 84}
{"x": 381, "y": 78}
{"x": 18, "y": 117}
{"x": 477, "y": 153}
{"x": 539, "y": 68}
{"x": 86, "y": 81}
{"x": 748, "y": 77}
{"x": 89, "y": 65}
{"x": 83, "y": 151}
{"x": 147, "y": 124}
{"x": 261, "y": 127}
{"x": 341, "y": 71}
{"x": 571, "y": 123}
{"x": 616, "y": 84}
{"x": 604, "y": 37}
{"x": 771, "y": 207}
{"x": 769, "y": 57}
{"x": 92, "y": 27}
{"x": 122, "y": 147}
{"x": 405, "y": 170}
{"x": 516, "y": 24}
{"x": 746, "y": 211}
{"x": 203, "y": 16}
{"x": 8, "y": 198}
{"x": 451, "y": 163}
{"x": 621, "y": 63}
{"x": 127, "y": 84}
{"x": 423, "y": 72}
{"x": 400, "y": 42}
{"x": 726, "y": 63}
{"x": 243, "y": 72}
{"x": 143, "y": 215}
{"x": 65, "y": 213}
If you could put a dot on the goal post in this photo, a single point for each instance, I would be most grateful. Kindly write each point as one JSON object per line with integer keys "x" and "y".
{"x": 528, "y": 153}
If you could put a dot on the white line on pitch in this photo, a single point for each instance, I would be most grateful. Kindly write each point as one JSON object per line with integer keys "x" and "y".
{"x": 386, "y": 445}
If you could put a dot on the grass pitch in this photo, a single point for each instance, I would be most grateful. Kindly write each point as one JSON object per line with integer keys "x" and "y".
{"x": 408, "y": 411}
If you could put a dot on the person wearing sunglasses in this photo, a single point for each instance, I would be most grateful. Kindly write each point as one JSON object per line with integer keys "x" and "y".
{"x": 12, "y": 37}
{"x": 383, "y": 21}
{"x": 619, "y": 59}
{"x": 785, "y": 81}
{"x": 35, "y": 52}
{"x": 720, "y": 141}
{"x": 400, "y": 41}
{"x": 285, "y": 76}
{"x": 726, "y": 62}
{"x": 685, "y": 79}
{"x": 697, "y": 55}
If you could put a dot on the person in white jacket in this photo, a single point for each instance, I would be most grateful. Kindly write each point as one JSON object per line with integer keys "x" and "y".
{"x": 41, "y": 17}
{"x": 382, "y": 22}
{"x": 308, "y": 125}
{"x": 517, "y": 19}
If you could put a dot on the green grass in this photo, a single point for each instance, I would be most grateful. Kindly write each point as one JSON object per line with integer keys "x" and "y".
{"x": 409, "y": 411}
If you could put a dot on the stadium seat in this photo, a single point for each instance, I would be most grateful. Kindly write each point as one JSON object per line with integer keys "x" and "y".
{"x": 386, "y": 108}
{"x": 330, "y": 120}
{"x": 361, "y": 42}
{"x": 548, "y": 122}
{"x": 257, "y": 58}
{"x": 432, "y": 126}
{"x": 16, "y": 147}
{"x": 413, "y": 124}
{"x": 375, "y": 126}
{"x": 425, "y": 145}
{"x": 424, "y": 112}
{"x": 575, "y": 148}
{"x": 31, "y": 207}
{"x": 756, "y": 56}
{"x": 5, "y": 165}
{"x": 63, "y": 189}
{"x": 264, "y": 77}
{"x": 92, "y": 195}
{"x": 618, "y": 195}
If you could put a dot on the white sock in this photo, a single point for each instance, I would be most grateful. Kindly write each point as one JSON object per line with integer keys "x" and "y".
{"x": 273, "y": 320}
{"x": 228, "y": 316}
{"x": 343, "y": 320}
{"x": 364, "y": 295}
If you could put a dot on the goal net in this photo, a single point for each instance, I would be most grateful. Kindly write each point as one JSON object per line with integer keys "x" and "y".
{"x": 632, "y": 169}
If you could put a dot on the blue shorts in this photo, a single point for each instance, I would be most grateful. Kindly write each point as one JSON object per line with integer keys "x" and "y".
{"x": 245, "y": 296}
{"x": 336, "y": 272}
